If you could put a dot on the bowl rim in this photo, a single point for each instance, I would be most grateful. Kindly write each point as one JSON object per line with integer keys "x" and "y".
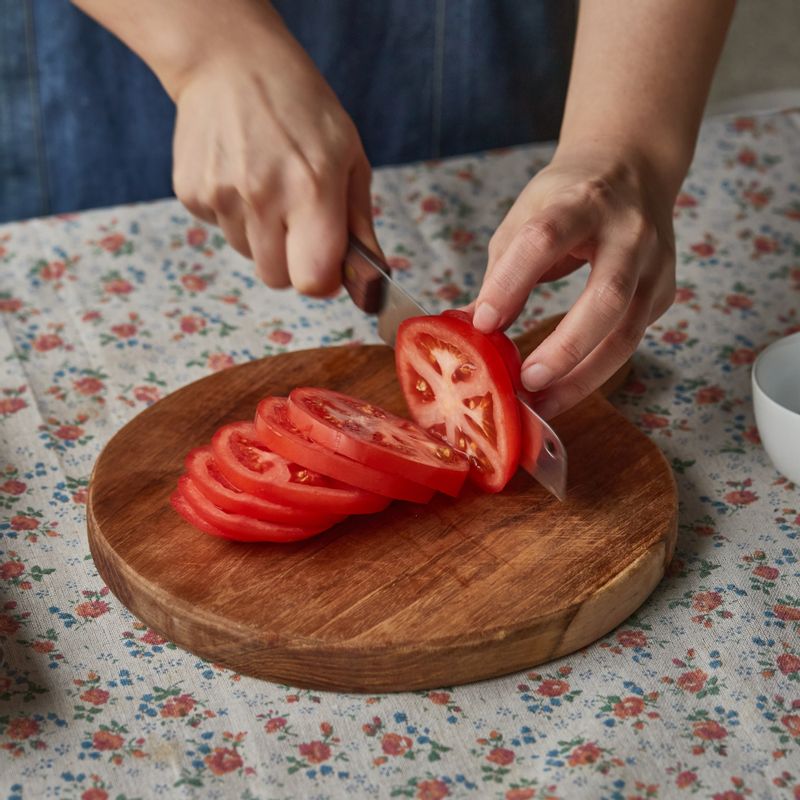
{"x": 783, "y": 341}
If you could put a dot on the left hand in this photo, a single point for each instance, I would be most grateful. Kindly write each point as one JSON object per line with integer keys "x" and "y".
{"x": 590, "y": 205}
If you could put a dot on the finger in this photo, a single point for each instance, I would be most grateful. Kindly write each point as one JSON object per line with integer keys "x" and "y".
{"x": 600, "y": 307}
{"x": 187, "y": 190}
{"x": 565, "y": 266}
{"x": 266, "y": 237}
{"x": 233, "y": 226}
{"x": 316, "y": 237}
{"x": 537, "y": 245}
{"x": 359, "y": 205}
{"x": 601, "y": 363}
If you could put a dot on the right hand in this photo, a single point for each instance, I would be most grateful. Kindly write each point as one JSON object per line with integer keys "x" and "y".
{"x": 264, "y": 149}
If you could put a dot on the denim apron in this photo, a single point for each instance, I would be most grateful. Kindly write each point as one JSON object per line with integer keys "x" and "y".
{"x": 84, "y": 123}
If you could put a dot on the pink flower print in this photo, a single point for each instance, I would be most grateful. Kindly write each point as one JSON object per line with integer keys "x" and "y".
{"x": 315, "y": 752}
{"x": 196, "y": 237}
{"x": 47, "y": 341}
{"x": 10, "y": 405}
{"x": 91, "y": 609}
{"x": 706, "y": 601}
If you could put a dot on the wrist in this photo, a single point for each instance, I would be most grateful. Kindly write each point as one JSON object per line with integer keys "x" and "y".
{"x": 228, "y": 33}
{"x": 653, "y": 167}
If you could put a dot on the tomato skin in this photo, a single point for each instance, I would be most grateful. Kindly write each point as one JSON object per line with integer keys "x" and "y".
{"x": 206, "y": 476}
{"x": 239, "y": 527}
{"x": 178, "y": 502}
{"x": 276, "y": 430}
{"x": 279, "y": 480}
{"x": 457, "y": 384}
{"x": 375, "y": 437}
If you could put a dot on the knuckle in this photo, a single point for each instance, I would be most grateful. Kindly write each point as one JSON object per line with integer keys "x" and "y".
{"x": 541, "y": 235}
{"x": 254, "y": 190}
{"x": 303, "y": 180}
{"x": 218, "y": 196}
{"x": 570, "y": 351}
{"x": 505, "y": 280}
{"x": 641, "y": 230}
{"x": 613, "y": 296}
{"x": 596, "y": 191}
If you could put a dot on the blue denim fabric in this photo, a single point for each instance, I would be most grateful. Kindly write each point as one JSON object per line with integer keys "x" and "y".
{"x": 84, "y": 123}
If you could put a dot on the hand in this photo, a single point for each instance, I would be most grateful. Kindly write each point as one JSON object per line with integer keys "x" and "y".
{"x": 588, "y": 205}
{"x": 263, "y": 148}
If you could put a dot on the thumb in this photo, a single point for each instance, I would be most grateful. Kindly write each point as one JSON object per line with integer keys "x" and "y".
{"x": 359, "y": 205}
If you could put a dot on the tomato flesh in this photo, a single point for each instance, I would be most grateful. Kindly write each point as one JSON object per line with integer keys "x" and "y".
{"x": 505, "y": 346}
{"x": 375, "y": 437}
{"x": 458, "y": 387}
{"x": 207, "y": 477}
{"x": 252, "y": 467}
{"x": 275, "y": 429}
{"x": 239, "y": 526}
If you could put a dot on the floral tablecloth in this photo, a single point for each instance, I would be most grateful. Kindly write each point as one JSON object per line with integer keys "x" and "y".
{"x": 698, "y": 694}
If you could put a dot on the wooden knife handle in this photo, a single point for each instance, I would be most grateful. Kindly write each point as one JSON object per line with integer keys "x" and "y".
{"x": 363, "y": 283}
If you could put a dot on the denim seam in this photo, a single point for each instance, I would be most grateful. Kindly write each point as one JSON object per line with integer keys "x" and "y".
{"x": 438, "y": 77}
{"x": 36, "y": 109}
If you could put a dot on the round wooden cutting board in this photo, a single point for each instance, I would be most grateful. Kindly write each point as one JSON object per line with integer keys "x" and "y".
{"x": 413, "y": 597}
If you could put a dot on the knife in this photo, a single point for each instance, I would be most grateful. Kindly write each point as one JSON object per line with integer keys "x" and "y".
{"x": 368, "y": 280}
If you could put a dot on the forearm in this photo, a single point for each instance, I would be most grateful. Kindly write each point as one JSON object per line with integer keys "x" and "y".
{"x": 174, "y": 37}
{"x": 640, "y": 78}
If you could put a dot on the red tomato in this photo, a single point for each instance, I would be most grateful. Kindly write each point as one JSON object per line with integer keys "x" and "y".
{"x": 505, "y": 346}
{"x": 457, "y": 387}
{"x": 205, "y": 474}
{"x": 238, "y": 526}
{"x": 178, "y": 502}
{"x": 377, "y": 438}
{"x": 275, "y": 429}
{"x": 252, "y": 467}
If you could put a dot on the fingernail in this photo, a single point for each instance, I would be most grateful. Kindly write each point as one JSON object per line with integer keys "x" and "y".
{"x": 487, "y": 318}
{"x": 537, "y": 377}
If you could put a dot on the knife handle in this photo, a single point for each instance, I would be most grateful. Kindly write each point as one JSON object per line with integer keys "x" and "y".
{"x": 363, "y": 283}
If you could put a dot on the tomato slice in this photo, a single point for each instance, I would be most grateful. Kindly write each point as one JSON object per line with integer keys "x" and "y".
{"x": 377, "y": 438}
{"x": 252, "y": 467}
{"x": 505, "y": 346}
{"x": 239, "y": 526}
{"x": 178, "y": 502}
{"x": 276, "y": 430}
{"x": 457, "y": 387}
{"x": 206, "y": 476}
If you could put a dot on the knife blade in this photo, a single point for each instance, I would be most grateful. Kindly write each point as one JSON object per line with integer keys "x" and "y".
{"x": 368, "y": 280}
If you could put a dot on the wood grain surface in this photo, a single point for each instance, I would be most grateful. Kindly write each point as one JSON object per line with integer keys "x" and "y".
{"x": 413, "y": 597}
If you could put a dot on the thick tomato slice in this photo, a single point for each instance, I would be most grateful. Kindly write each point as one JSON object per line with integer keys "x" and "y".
{"x": 252, "y": 467}
{"x": 239, "y": 526}
{"x": 506, "y": 347}
{"x": 276, "y": 430}
{"x": 377, "y": 438}
{"x": 457, "y": 387}
{"x": 206, "y": 476}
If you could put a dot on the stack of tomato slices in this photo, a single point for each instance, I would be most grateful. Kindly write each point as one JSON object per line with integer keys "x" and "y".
{"x": 307, "y": 461}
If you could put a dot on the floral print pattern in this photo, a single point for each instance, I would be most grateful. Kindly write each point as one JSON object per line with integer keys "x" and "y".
{"x": 697, "y": 694}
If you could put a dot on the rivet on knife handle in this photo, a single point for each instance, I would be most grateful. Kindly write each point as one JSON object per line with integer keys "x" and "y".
{"x": 361, "y": 280}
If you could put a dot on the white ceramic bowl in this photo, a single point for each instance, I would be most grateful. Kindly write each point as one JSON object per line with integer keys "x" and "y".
{"x": 776, "y": 401}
